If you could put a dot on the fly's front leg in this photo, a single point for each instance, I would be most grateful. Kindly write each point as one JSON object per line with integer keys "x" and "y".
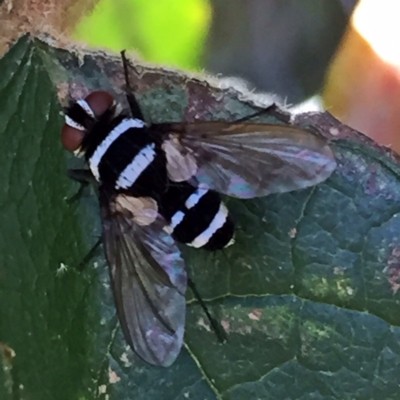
{"x": 84, "y": 177}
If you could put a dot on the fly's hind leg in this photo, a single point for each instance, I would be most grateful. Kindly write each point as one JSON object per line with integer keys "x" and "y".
{"x": 217, "y": 328}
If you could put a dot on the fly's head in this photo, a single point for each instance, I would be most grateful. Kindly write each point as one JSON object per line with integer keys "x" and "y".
{"x": 81, "y": 117}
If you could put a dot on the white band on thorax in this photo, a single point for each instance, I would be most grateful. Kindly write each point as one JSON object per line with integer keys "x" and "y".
{"x": 102, "y": 148}
{"x": 135, "y": 168}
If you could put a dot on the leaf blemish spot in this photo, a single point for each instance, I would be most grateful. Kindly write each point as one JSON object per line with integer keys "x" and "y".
{"x": 255, "y": 315}
{"x": 125, "y": 360}
{"x": 7, "y": 353}
{"x": 202, "y": 324}
{"x": 226, "y": 325}
{"x": 112, "y": 376}
{"x": 293, "y": 233}
{"x": 61, "y": 270}
{"x": 102, "y": 389}
{"x": 334, "y": 131}
{"x": 338, "y": 270}
{"x": 392, "y": 270}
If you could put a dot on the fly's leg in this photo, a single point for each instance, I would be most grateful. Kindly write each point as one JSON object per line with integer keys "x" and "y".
{"x": 217, "y": 328}
{"x": 84, "y": 177}
{"x": 273, "y": 110}
{"x": 91, "y": 253}
{"x": 136, "y": 112}
{"x": 133, "y": 104}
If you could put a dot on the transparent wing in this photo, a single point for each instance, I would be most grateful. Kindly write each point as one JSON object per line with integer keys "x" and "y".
{"x": 149, "y": 283}
{"x": 250, "y": 159}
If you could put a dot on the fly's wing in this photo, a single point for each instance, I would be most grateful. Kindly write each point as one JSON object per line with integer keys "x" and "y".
{"x": 248, "y": 160}
{"x": 149, "y": 283}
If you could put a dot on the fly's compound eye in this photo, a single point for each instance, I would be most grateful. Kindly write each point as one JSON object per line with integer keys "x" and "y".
{"x": 74, "y": 129}
{"x": 71, "y": 137}
{"x": 99, "y": 102}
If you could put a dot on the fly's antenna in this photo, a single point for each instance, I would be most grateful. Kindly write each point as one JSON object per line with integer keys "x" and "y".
{"x": 133, "y": 104}
{"x": 125, "y": 65}
{"x": 217, "y": 328}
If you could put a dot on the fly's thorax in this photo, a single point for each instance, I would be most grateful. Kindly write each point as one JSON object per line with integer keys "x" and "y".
{"x": 105, "y": 137}
{"x": 124, "y": 155}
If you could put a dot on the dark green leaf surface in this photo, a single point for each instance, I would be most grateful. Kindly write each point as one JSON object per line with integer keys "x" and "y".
{"x": 308, "y": 295}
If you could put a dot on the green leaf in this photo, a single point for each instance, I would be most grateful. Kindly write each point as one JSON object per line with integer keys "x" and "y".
{"x": 308, "y": 295}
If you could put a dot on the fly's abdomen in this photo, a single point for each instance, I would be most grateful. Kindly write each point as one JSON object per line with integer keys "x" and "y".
{"x": 197, "y": 217}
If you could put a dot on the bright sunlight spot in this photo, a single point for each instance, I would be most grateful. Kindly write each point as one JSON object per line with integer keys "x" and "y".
{"x": 378, "y": 23}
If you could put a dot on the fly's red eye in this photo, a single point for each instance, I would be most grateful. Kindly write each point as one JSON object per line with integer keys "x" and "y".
{"x": 99, "y": 101}
{"x": 95, "y": 104}
{"x": 71, "y": 138}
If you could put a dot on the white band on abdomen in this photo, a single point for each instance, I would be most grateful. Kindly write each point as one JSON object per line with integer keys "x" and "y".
{"x": 176, "y": 219}
{"x": 218, "y": 222}
{"x": 195, "y": 197}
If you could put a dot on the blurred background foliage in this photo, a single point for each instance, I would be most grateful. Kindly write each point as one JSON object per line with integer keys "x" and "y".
{"x": 278, "y": 46}
{"x": 342, "y": 53}
{"x": 170, "y": 32}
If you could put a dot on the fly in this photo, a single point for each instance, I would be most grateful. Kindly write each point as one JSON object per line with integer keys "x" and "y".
{"x": 160, "y": 184}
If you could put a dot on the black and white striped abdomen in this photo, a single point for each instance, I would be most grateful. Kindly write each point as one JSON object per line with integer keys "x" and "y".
{"x": 128, "y": 158}
{"x": 197, "y": 217}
